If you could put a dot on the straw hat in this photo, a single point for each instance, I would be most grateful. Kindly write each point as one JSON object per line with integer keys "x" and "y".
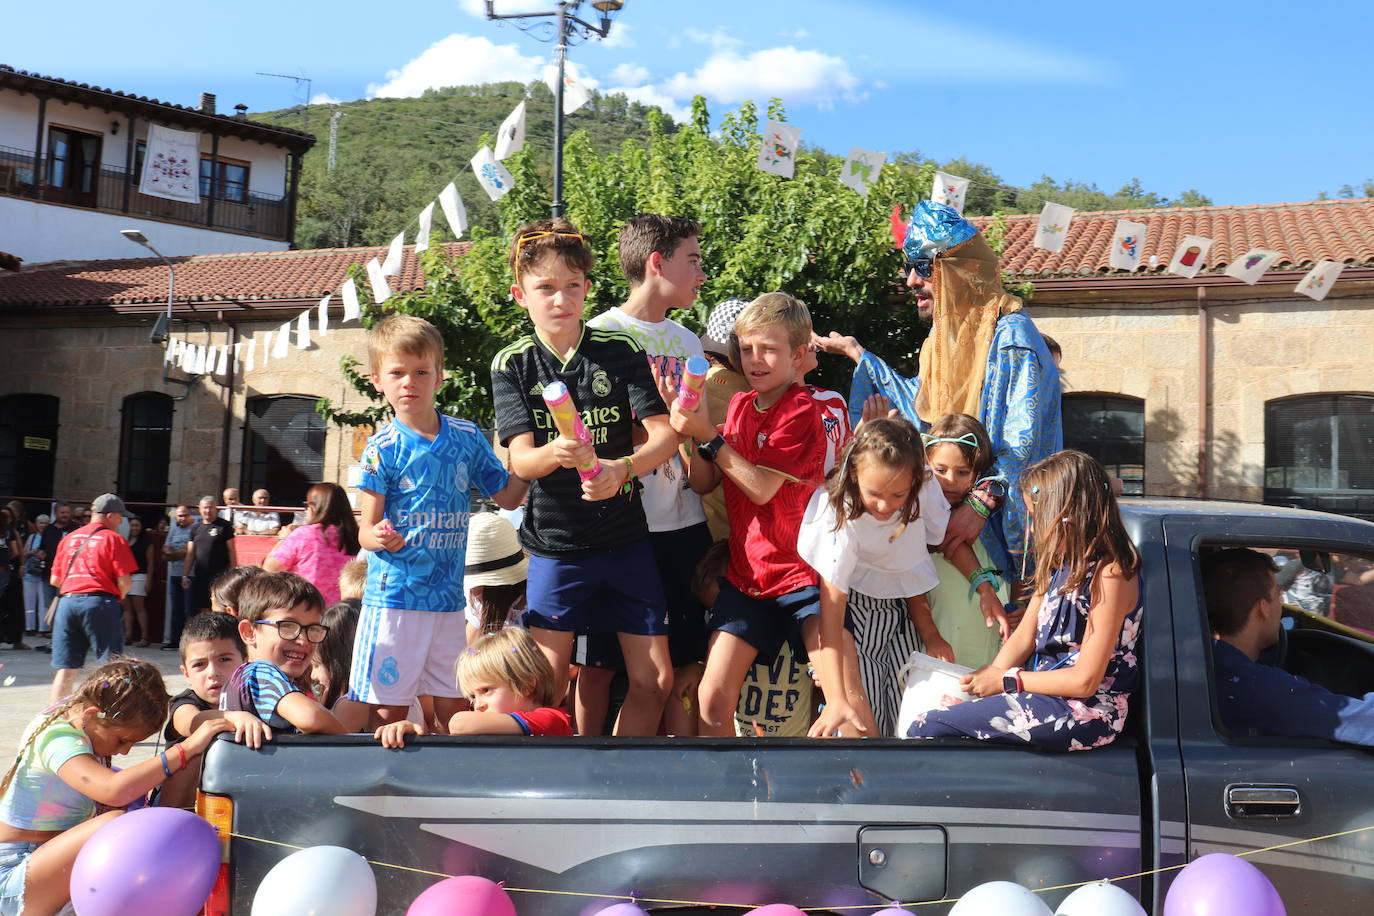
{"x": 494, "y": 554}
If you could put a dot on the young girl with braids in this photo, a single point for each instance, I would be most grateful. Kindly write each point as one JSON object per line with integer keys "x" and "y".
{"x": 868, "y": 535}
{"x": 51, "y": 798}
{"x": 1063, "y": 680}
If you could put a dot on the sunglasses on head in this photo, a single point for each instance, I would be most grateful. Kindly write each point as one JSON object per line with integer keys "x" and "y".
{"x": 924, "y": 267}
{"x": 524, "y": 240}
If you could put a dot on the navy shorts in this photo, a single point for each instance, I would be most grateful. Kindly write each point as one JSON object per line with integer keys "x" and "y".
{"x": 765, "y": 623}
{"x": 677, "y": 554}
{"x": 617, "y": 591}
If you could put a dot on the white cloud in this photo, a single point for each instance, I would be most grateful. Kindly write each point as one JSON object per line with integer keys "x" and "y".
{"x": 629, "y": 75}
{"x": 458, "y": 60}
{"x": 473, "y": 8}
{"x": 790, "y": 74}
{"x": 620, "y": 37}
{"x": 717, "y": 38}
{"x": 796, "y": 35}
{"x": 324, "y": 98}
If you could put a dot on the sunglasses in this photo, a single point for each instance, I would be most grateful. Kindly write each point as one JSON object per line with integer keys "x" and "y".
{"x": 524, "y": 240}
{"x": 924, "y": 267}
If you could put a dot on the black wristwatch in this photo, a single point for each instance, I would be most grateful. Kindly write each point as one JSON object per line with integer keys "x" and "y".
{"x": 709, "y": 450}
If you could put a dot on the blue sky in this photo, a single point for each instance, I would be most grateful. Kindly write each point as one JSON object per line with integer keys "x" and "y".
{"x": 1218, "y": 96}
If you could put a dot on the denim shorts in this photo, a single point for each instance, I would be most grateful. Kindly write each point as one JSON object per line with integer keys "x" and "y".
{"x": 86, "y": 623}
{"x": 14, "y": 866}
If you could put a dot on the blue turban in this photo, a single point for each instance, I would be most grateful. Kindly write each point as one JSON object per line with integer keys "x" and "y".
{"x": 935, "y": 228}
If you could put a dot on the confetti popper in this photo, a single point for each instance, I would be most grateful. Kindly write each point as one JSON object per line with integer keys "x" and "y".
{"x": 569, "y": 423}
{"x": 693, "y": 381}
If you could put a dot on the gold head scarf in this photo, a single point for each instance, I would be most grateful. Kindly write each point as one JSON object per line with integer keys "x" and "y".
{"x": 969, "y": 299}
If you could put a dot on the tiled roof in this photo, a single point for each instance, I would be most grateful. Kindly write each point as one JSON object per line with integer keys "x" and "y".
{"x": 1303, "y": 233}
{"x": 114, "y": 100}
{"x": 257, "y": 278}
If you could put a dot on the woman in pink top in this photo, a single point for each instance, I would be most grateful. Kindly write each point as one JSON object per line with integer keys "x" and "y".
{"x": 318, "y": 550}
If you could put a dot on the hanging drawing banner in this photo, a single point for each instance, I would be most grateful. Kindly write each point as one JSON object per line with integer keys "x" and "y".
{"x": 1249, "y": 267}
{"x": 1053, "y": 226}
{"x": 1190, "y": 255}
{"x": 422, "y": 233}
{"x": 1128, "y": 242}
{"x": 949, "y": 189}
{"x": 575, "y": 92}
{"x": 861, "y": 169}
{"x": 392, "y": 265}
{"x": 491, "y": 175}
{"x": 510, "y": 138}
{"x": 1319, "y": 280}
{"x": 778, "y": 153}
{"x": 454, "y": 211}
{"x": 171, "y": 165}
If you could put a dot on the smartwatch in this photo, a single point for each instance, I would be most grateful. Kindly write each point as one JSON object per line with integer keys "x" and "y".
{"x": 1011, "y": 680}
{"x": 709, "y": 450}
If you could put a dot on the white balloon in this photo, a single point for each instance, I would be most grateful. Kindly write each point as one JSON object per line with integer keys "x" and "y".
{"x": 997, "y": 898}
{"x": 1100, "y": 899}
{"x": 319, "y": 881}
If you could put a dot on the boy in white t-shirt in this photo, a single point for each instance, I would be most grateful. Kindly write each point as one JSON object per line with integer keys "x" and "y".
{"x": 661, "y": 259}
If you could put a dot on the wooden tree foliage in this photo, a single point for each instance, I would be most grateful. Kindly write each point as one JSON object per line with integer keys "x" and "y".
{"x": 810, "y": 236}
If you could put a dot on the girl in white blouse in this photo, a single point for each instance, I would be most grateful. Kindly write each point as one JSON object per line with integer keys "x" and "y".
{"x": 868, "y": 534}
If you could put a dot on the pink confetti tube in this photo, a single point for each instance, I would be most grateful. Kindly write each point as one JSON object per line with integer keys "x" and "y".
{"x": 569, "y": 423}
{"x": 693, "y": 381}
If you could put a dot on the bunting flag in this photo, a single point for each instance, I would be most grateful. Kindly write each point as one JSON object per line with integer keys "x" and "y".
{"x": 282, "y": 340}
{"x": 380, "y": 290}
{"x": 491, "y": 175}
{"x": 324, "y": 314}
{"x": 392, "y": 265}
{"x": 266, "y": 347}
{"x": 184, "y": 357}
{"x": 778, "y": 152}
{"x": 1053, "y": 226}
{"x": 510, "y": 139}
{"x": 170, "y": 354}
{"x": 222, "y": 367}
{"x": 238, "y": 353}
{"x": 949, "y": 189}
{"x": 575, "y": 94}
{"x": 1190, "y": 255}
{"x": 171, "y": 165}
{"x": 352, "y": 309}
{"x": 1128, "y": 242}
{"x": 422, "y": 234}
{"x": 861, "y": 169}
{"x": 250, "y": 348}
{"x": 1249, "y": 267}
{"x": 454, "y": 211}
{"x": 197, "y": 360}
{"x": 303, "y": 330}
{"x": 1319, "y": 280}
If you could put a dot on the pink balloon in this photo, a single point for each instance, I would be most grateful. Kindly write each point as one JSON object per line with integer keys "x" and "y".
{"x": 1222, "y": 885}
{"x": 621, "y": 909}
{"x": 153, "y": 860}
{"x": 776, "y": 909}
{"x": 465, "y": 895}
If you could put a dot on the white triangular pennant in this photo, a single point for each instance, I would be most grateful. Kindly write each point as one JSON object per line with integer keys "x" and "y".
{"x": 454, "y": 211}
{"x": 352, "y": 310}
{"x": 1190, "y": 255}
{"x": 170, "y": 354}
{"x": 1053, "y": 226}
{"x": 422, "y": 234}
{"x": 1250, "y": 267}
{"x": 491, "y": 175}
{"x": 778, "y": 150}
{"x": 949, "y": 189}
{"x": 392, "y": 265}
{"x": 1128, "y": 242}
{"x": 1319, "y": 280}
{"x": 303, "y": 330}
{"x": 380, "y": 290}
{"x": 861, "y": 169}
{"x": 323, "y": 313}
{"x": 282, "y": 342}
{"x": 510, "y": 139}
{"x": 222, "y": 365}
{"x": 575, "y": 94}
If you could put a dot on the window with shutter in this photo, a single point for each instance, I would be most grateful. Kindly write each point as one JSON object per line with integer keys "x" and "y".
{"x": 283, "y": 447}
{"x": 1319, "y": 453}
{"x": 1111, "y": 428}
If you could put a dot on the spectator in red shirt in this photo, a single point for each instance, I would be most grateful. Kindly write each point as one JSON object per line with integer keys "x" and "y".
{"x": 92, "y": 572}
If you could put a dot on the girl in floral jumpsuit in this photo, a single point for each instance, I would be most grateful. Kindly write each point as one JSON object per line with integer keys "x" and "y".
{"x": 1063, "y": 680}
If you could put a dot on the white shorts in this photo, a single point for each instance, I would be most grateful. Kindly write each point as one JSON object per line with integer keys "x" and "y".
{"x": 138, "y": 584}
{"x": 399, "y": 655}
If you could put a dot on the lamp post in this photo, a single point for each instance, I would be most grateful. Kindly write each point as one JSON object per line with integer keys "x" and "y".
{"x": 163, "y": 326}
{"x": 567, "y": 25}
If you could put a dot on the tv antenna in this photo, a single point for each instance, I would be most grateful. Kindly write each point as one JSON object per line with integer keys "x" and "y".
{"x": 298, "y": 79}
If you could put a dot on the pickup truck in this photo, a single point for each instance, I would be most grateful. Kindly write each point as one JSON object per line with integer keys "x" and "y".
{"x": 682, "y": 823}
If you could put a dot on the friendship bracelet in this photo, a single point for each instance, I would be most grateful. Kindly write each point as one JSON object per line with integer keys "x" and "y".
{"x": 629, "y": 466}
{"x": 986, "y": 574}
{"x": 977, "y": 506}
{"x": 166, "y": 770}
{"x": 181, "y": 754}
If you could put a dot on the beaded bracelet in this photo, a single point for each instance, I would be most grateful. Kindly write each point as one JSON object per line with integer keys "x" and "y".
{"x": 166, "y": 770}
{"x": 986, "y": 574}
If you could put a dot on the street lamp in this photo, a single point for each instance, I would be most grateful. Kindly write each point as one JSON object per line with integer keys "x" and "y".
{"x": 568, "y": 25}
{"x": 163, "y": 326}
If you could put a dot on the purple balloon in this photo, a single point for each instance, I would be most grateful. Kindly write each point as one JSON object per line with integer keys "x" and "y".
{"x": 776, "y": 909}
{"x": 893, "y": 911}
{"x": 1222, "y": 885}
{"x": 153, "y": 860}
{"x": 465, "y": 895}
{"x": 621, "y": 909}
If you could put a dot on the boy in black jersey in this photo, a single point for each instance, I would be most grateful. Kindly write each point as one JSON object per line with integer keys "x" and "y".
{"x": 591, "y": 566}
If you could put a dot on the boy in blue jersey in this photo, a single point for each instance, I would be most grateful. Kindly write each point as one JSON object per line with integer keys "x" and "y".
{"x": 592, "y": 569}
{"x": 418, "y": 473}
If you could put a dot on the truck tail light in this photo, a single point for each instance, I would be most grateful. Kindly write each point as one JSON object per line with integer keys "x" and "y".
{"x": 219, "y": 811}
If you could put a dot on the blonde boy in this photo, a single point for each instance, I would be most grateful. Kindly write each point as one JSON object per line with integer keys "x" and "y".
{"x": 417, "y": 476}
{"x": 771, "y": 456}
{"x": 591, "y": 566}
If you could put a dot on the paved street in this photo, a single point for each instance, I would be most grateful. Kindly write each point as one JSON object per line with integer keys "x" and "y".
{"x": 27, "y": 694}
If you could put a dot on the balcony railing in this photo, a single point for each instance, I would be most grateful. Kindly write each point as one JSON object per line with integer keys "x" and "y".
{"x": 263, "y": 215}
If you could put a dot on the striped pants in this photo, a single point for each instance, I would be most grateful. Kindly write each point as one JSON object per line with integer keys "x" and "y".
{"x": 885, "y": 638}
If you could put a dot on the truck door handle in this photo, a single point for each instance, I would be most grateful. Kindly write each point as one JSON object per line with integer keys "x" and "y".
{"x": 1251, "y": 801}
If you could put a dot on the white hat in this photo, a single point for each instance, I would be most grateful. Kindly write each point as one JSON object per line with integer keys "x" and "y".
{"x": 494, "y": 554}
